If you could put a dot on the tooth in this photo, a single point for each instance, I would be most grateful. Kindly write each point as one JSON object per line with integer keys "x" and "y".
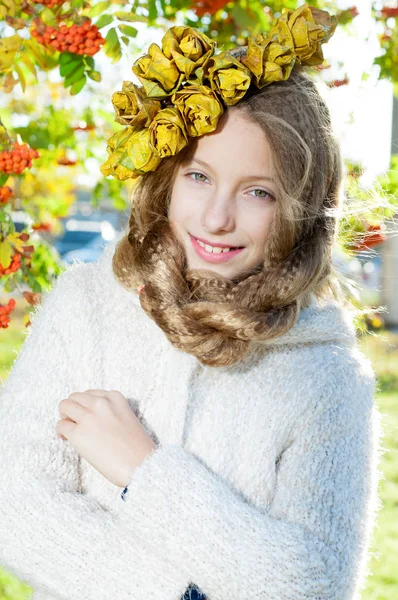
{"x": 226, "y": 249}
{"x": 208, "y": 248}
{"x": 217, "y": 250}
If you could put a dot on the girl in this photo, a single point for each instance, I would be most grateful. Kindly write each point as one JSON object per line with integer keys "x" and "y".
{"x": 207, "y": 364}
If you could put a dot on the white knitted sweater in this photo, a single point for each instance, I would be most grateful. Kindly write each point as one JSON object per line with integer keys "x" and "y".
{"x": 264, "y": 483}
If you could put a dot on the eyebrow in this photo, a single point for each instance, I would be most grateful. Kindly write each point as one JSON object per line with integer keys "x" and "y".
{"x": 204, "y": 164}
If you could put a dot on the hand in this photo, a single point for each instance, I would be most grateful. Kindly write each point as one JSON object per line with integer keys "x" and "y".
{"x": 103, "y": 429}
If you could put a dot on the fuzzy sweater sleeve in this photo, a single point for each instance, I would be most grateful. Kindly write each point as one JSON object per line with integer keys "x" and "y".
{"x": 60, "y": 542}
{"x": 311, "y": 543}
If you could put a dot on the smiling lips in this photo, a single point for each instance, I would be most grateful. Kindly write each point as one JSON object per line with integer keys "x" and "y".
{"x": 213, "y": 254}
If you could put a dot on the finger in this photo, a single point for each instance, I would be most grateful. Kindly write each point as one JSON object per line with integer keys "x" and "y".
{"x": 86, "y": 398}
{"x": 64, "y": 428}
{"x": 71, "y": 409}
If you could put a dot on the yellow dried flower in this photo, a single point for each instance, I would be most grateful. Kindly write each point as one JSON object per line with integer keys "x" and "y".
{"x": 295, "y": 36}
{"x": 200, "y": 109}
{"x": 116, "y": 148}
{"x": 167, "y": 132}
{"x": 158, "y": 75}
{"x": 310, "y": 27}
{"x": 132, "y": 107}
{"x": 270, "y": 60}
{"x": 140, "y": 155}
{"x": 228, "y": 77}
{"x": 190, "y": 49}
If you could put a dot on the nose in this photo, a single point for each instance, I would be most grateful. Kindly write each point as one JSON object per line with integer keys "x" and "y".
{"x": 219, "y": 213}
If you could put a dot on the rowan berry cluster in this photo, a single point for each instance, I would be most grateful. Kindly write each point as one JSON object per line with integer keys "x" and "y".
{"x": 17, "y": 159}
{"x": 373, "y": 236}
{"x": 49, "y": 3}
{"x": 5, "y": 311}
{"x": 338, "y": 82}
{"x": 66, "y": 162}
{"x": 42, "y": 227}
{"x": 13, "y": 267}
{"x": 78, "y": 39}
{"x": 389, "y": 12}
{"x": 201, "y": 7}
{"x": 5, "y": 194}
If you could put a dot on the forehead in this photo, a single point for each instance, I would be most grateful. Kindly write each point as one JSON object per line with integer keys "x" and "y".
{"x": 237, "y": 145}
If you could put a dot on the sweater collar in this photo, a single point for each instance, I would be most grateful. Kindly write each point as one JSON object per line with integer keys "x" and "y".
{"x": 321, "y": 322}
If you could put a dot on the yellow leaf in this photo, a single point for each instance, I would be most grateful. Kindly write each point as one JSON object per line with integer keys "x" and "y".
{"x": 21, "y": 76}
{"x": 27, "y": 61}
{"x": 16, "y": 241}
{"x": 5, "y": 254}
{"x": 8, "y": 49}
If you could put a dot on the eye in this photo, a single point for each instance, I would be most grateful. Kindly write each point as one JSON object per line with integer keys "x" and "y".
{"x": 264, "y": 192}
{"x": 196, "y": 173}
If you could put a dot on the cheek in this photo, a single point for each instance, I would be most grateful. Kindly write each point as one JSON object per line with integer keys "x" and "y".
{"x": 258, "y": 228}
{"x": 182, "y": 208}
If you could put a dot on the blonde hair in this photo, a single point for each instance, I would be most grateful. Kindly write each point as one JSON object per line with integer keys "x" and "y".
{"x": 205, "y": 314}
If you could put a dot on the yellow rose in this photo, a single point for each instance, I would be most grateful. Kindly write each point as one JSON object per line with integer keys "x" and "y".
{"x": 159, "y": 75}
{"x": 270, "y": 57}
{"x": 310, "y": 27}
{"x": 200, "y": 108}
{"x": 228, "y": 77}
{"x": 190, "y": 49}
{"x": 113, "y": 167}
{"x": 167, "y": 132}
{"x": 132, "y": 107}
{"x": 116, "y": 148}
{"x": 139, "y": 154}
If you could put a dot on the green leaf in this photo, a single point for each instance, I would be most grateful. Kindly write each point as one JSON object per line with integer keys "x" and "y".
{"x": 153, "y": 11}
{"x": 94, "y": 75}
{"x": 66, "y": 57}
{"x": 125, "y": 40}
{"x": 130, "y": 16}
{"x": 128, "y": 30}
{"x": 70, "y": 67}
{"x": 97, "y": 9}
{"x": 77, "y": 3}
{"x": 48, "y": 17}
{"x": 112, "y": 45}
{"x": 89, "y": 61}
{"x": 75, "y": 75}
{"x": 3, "y": 178}
{"x": 78, "y": 86}
{"x": 104, "y": 20}
{"x": 112, "y": 39}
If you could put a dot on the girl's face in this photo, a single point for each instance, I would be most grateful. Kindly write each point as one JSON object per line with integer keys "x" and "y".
{"x": 225, "y": 196}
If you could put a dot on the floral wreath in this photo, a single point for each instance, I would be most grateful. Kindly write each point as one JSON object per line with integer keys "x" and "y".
{"x": 186, "y": 86}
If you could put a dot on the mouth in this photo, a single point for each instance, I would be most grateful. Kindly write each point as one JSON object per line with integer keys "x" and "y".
{"x": 214, "y": 254}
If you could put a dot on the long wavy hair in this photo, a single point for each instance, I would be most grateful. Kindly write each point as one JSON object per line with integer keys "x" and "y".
{"x": 208, "y": 315}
